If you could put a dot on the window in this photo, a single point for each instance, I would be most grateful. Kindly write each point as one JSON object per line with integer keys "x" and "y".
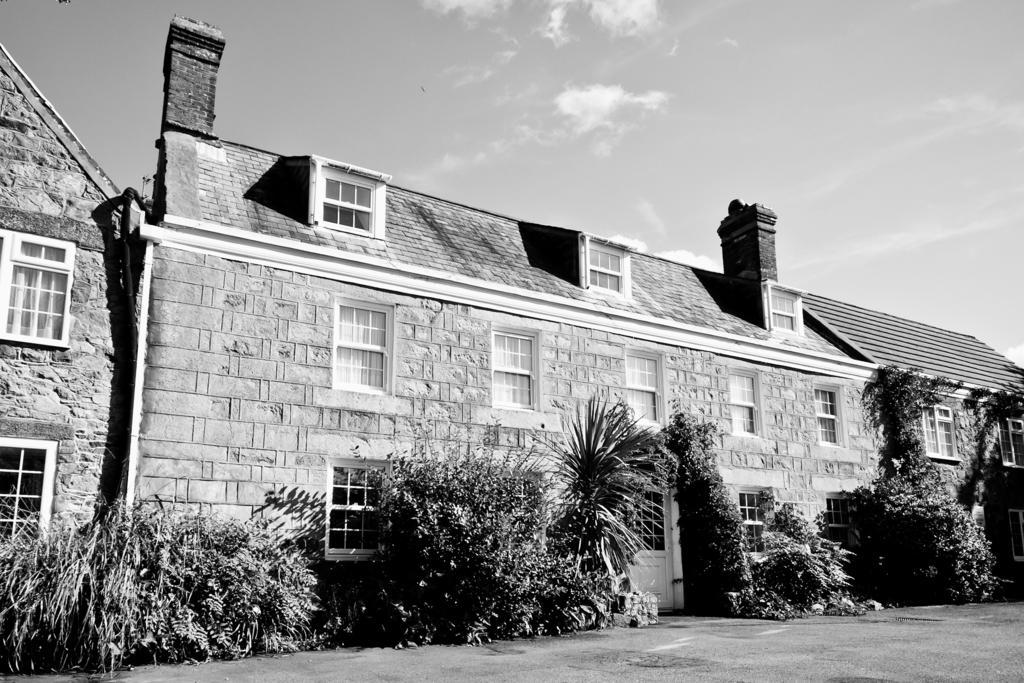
{"x": 35, "y": 288}
{"x": 651, "y": 521}
{"x": 26, "y": 483}
{"x": 514, "y": 369}
{"x": 1017, "y": 534}
{"x": 347, "y": 198}
{"x": 837, "y": 520}
{"x": 743, "y": 404}
{"x": 642, "y": 386}
{"x": 352, "y": 500}
{"x": 826, "y": 408}
{"x": 753, "y": 521}
{"x": 1011, "y": 441}
{"x": 607, "y": 267}
{"x": 938, "y": 432}
{"x": 362, "y": 347}
{"x": 784, "y": 309}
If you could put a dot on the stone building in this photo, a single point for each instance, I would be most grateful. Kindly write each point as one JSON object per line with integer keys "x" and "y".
{"x": 306, "y": 319}
{"x": 65, "y": 333}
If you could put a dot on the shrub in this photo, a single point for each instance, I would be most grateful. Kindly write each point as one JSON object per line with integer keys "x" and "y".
{"x": 796, "y": 570}
{"x": 149, "y": 585}
{"x": 710, "y": 527}
{"x": 463, "y": 559}
{"x": 918, "y": 545}
{"x": 603, "y": 471}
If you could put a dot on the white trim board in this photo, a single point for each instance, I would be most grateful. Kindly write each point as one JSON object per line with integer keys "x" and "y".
{"x": 243, "y": 245}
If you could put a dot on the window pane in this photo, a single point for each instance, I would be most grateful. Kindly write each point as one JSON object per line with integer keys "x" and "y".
{"x": 605, "y": 261}
{"x": 783, "y": 302}
{"x": 1017, "y": 442}
{"x": 741, "y": 389}
{"x": 946, "y": 439}
{"x": 643, "y": 403}
{"x": 361, "y": 367}
{"x": 41, "y": 251}
{"x": 642, "y": 372}
{"x": 362, "y": 326}
{"x": 825, "y": 402}
{"x": 346, "y": 217}
{"x": 348, "y": 193}
{"x": 330, "y": 213}
{"x": 37, "y": 303}
{"x": 742, "y": 419}
{"x": 930, "y": 432}
{"x": 1017, "y": 532}
{"x": 513, "y": 353}
{"x": 333, "y": 190}
{"x": 783, "y": 322}
{"x": 363, "y": 196}
{"x": 513, "y": 389}
{"x": 827, "y": 430}
{"x": 361, "y": 220}
{"x": 651, "y": 521}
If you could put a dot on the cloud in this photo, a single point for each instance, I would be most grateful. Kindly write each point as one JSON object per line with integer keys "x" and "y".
{"x": 674, "y": 49}
{"x": 691, "y": 259}
{"x": 620, "y": 18}
{"x": 1016, "y": 354}
{"x": 471, "y": 9}
{"x": 606, "y": 112}
{"x": 978, "y": 110}
{"x": 471, "y": 74}
{"x": 632, "y": 242}
{"x": 650, "y": 216}
{"x": 729, "y": 42}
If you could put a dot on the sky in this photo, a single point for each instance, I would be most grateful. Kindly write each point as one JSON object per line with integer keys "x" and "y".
{"x": 888, "y": 135}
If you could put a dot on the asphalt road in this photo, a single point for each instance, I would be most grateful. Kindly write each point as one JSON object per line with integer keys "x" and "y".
{"x": 967, "y": 643}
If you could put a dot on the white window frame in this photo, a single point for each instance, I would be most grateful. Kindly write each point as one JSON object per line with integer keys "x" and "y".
{"x": 349, "y": 554}
{"x": 769, "y": 310}
{"x": 388, "y": 349}
{"x": 659, "y": 383}
{"x": 322, "y": 170}
{"x": 837, "y": 418}
{"x": 936, "y": 411}
{"x": 534, "y": 375}
{"x": 755, "y": 404}
{"x": 840, "y": 498}
{"x": 49, "y": 471}
{"x": 10, "y": 256}
{"x": 1007, "y": 426}
{"x": 588, "y": 243}
{"x": 756, "y": 493}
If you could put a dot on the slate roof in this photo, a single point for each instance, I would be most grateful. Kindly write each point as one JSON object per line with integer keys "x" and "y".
{"x": 259, "y": 191}
{"x": 890, "y": 340}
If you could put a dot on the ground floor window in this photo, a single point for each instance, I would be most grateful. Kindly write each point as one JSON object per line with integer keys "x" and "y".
{"x": 753, "y": 521}
{"x": 352, "y": 500}
{"x": 26, "y": 483}
{"x": 1017, "y": 534}
{"x": 837, "y": 520}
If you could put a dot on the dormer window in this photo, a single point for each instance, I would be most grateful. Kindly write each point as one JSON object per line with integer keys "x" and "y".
{"x": 783, "y": 310}
{"x": 347, "y": 198}
{"x": 606, "y": 266}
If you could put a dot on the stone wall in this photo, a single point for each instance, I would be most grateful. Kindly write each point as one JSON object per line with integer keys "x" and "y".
{"x": 63, "y": 394}
{"x": 239, "y": 413}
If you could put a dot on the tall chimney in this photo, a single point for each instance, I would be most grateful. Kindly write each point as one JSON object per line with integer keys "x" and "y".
{"x": 748, "y": 241}
{"x": 191, "y": 60}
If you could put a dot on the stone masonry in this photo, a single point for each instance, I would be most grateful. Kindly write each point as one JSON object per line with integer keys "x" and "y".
{"x": 61, "y": 394}
{"x": 239, "y": 413}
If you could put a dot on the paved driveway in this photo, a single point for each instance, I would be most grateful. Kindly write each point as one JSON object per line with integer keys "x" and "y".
{"x": 972, "y": 642}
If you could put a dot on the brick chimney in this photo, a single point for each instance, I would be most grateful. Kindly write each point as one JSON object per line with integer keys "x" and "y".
{"x": 191, "y": 60}
{"x": 748, "y": 241}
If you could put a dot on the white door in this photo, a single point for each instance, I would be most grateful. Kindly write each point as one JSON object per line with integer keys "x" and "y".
{"x": 652, "y": 572}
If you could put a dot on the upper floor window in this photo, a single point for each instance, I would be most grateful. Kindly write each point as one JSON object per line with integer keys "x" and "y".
{"x": 353, "y": 528}
{"x": 606, "y": 267}
{"x": 643, "y": 382}
{"x": 753, "y": 521}
{"x": 938, "y": 432}
{"x": 362, "y": 347}
{"x": 784, "y": 309}
{"x": 515, "y": 370}
{"x": 26, "y": 483}
{"x": 1011, "y": 441}
{"x": 743, "y": 404}
{"x": 347, "y": 198}
{"x": 826, "y": 408}
{"x": 35, "y": 288}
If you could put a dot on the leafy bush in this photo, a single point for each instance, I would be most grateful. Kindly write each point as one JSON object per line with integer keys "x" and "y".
{"x": 710, "y": 527}
{"x": 148, "y": 585}
{"x": 603, "y": 470}
{"x": 463, "y": 559}
{"x": 797, "y": 569}
{"x": 918, "y": 545}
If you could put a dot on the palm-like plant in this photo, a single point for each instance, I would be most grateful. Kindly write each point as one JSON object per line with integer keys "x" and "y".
{"x": 603, "y": 469}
